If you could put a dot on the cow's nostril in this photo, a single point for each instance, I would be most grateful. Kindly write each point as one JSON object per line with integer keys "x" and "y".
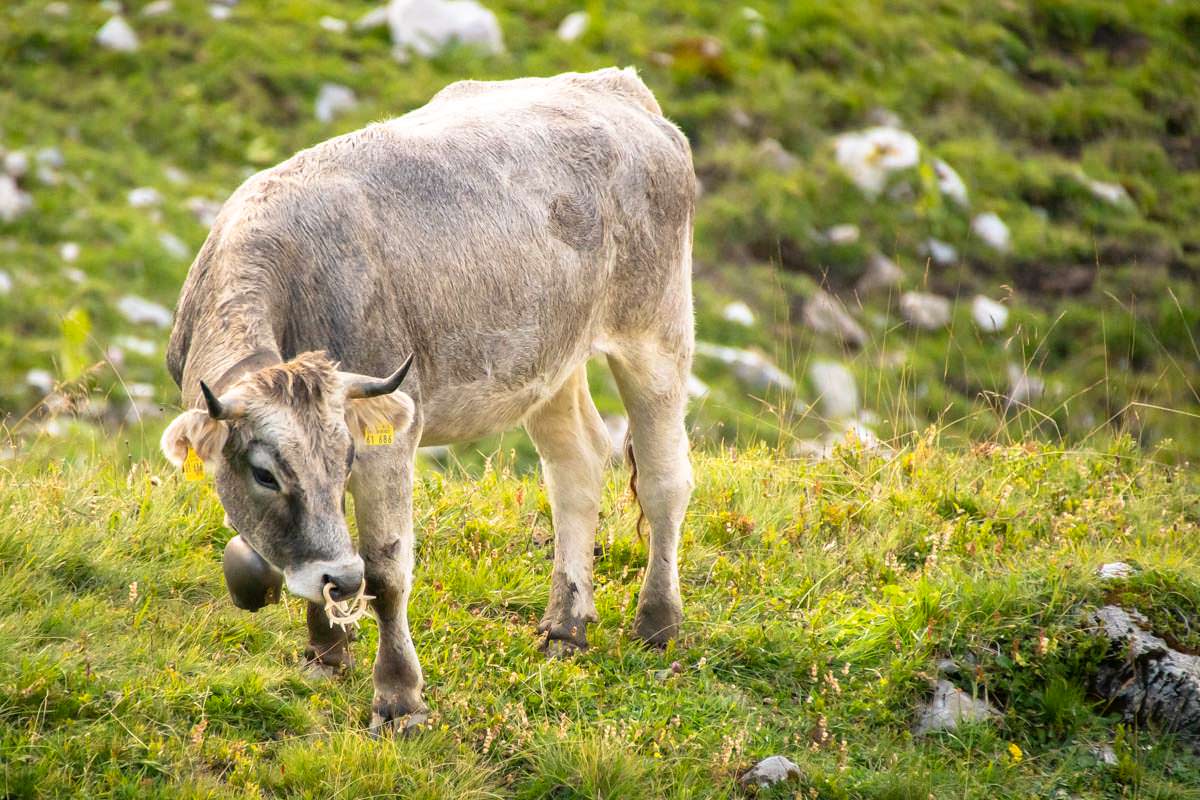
{"x": 343, "y": 585}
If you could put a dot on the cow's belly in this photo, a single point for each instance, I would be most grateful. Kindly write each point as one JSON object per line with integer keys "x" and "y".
{"x": 469, "y": 411}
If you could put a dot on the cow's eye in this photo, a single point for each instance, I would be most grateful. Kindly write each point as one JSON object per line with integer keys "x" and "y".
{"x": 264, "y": 478}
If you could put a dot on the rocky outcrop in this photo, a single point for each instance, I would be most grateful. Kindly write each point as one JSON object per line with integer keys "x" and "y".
{"x": 1143, "y": 677}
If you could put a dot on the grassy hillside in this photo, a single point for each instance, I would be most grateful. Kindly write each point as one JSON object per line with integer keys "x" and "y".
{"x": 1027, "y": 102}
{"x": 819, "y": 600}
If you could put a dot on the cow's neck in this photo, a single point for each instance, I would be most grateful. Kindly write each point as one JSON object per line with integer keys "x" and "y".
{"x": 222, "y": 355}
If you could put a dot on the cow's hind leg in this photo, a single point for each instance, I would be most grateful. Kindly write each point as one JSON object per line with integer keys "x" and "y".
{"x": 382, "y": 483}
{"x": 652, "y": 378}
{"x": 574, "y": 446}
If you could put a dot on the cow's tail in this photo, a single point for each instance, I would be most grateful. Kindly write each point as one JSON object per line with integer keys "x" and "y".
{"x": 633, "y": 483}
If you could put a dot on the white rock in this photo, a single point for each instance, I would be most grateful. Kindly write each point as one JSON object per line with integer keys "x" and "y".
{"x": 117, "y": 35}
{"x": 769, "y": 772}
{"x": 942, "y": 253}
{"x": 144, "y": 197}
{"x": 992, "y": 230}
{"x": 1114, "y": 571}
{"x": 925, "y": 311}
{"x": 617, "y": 427}
{"x": 158, "y": 8}
{"x": 776, "y": 156}
{"x": 41, "y": 380}
{"x": 375, "y": 18}
{"x": 143, "y": 347}
{"x": 16, "y": 163}
{"x": 219, "y": 12}
{"x": 825, "y": 314}
{"x": 334, "y": 99}
{"x": 74, "y": 275}
{"x": 950, "y": 184}
{"x": 696, "y": 387}
{"x": 6, "y": 282}
{"x": 836, "y": 389}
{"x": 1023, "y": 388}
{"x": 869, "y": 156}
{"x": 738, "y": 312}
{"x": 748, "y": 366}
{"x": 139, "y": 310}
{"x": 843, "y": 234}
{"x": 333, "y": 24}
{"x": 881, "y": 273}
{"x": 573, "y": 26}
{"x": 951, "y": 706}
{"x": 50, "y": 157}
{"x": 58, "y": 9}
{"x": 175, "y": 246}
{"x": 205, "y": 211}
{"x": 175, "y": 175}
{"x": 1105, "y": 754}
{"x": 69, "y": 252}
{"x": 13, "y": 201}
{"x": 990, "y": 316}
{"x": 427, "y": 26}
{"x": 1113, "y": 193}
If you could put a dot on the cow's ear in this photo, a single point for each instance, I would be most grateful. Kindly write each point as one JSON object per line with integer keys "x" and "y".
{"x": 394, "y": 412}
{"x": 197, "y": 430}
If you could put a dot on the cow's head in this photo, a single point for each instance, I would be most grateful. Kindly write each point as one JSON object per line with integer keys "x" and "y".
{"x": 281, "y": 444}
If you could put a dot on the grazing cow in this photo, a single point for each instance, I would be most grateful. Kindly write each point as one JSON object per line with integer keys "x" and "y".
{"x": 501, "y": 234}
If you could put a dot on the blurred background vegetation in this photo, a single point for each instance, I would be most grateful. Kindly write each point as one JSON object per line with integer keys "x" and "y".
{"x": 1042, "y": 154}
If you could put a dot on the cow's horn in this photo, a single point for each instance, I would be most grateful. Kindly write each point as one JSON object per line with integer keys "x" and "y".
{"x": 360, "y": 387}
{"x": 216, "y": 408}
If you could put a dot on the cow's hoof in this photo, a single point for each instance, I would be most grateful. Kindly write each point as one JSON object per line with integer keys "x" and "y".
{"x": 564, "y": 638}
{"x": 656, "y": 624}
{"x": 318, "y": 670}
{"x": 560, "y": 648}
{"x": 403, "y": 725}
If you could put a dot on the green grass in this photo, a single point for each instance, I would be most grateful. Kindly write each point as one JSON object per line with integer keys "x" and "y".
{"x": 818, "y": 599}
{"x": 1020, "y": 98}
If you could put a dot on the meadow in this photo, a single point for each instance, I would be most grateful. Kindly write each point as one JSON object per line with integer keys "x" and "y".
{"x": 833, "y": 562}
{"x": 819, "y": 599}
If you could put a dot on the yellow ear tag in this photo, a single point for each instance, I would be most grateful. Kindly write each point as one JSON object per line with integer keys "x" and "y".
{"x": 193, "y": 467}
{"x": 383, "y": 433}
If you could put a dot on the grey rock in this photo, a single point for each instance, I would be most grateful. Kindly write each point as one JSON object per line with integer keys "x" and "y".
{"x": 928, "y": 312}
{"x": 145, "y": 197}
{"x": 50, "y": 157}
{"x": 749, "y": 367}
{"x": 992, "y": 230}
{"x": 117, "y": 35}
{"x": 882, "y": 273}
{"x": 1114, "y": 570}
{"x": 573, "y": 26}
{"x": 333, "y": 99}
{"x": 1023, "y": 388}
{"x": 989, "y": 316}
{"x": 942, "y": 253}
{"x": 825, "y": 314}
{"x": 836, "y": 389}
{"x": 139, "y": 310}
{"x": 425, "y": 27}
{"x": 1144, "y": 678}
{"x": 13, "y": 201}
{"x": 951, "y": 706}
{"x": 1105, "y": 754}
{"x": 770, "y": 771}
{"x": 776, "y": 156}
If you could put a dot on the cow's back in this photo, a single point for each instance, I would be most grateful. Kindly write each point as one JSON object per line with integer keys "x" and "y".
{"x": 497, "y": 232}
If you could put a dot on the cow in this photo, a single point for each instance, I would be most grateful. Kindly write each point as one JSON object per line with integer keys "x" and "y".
{"x": 501, "y": 235}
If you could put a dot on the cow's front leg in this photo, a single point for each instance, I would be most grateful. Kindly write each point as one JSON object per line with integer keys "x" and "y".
{"x": 571, "y": 438}
{"x": 382, "y": 487}
{"x": 328, "y": 652}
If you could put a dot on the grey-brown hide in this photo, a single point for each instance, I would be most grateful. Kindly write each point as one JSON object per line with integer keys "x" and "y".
{"x": 503, "y": 233}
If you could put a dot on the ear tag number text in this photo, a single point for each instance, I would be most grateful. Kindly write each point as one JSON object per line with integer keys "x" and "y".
{"x": 381, "y": 434}
{"x": 193, "y": 467}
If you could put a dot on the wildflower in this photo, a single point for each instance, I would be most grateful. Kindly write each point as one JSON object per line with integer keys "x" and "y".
{"x": 868, "y": 157}
{"x": 1015, "y": 753}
